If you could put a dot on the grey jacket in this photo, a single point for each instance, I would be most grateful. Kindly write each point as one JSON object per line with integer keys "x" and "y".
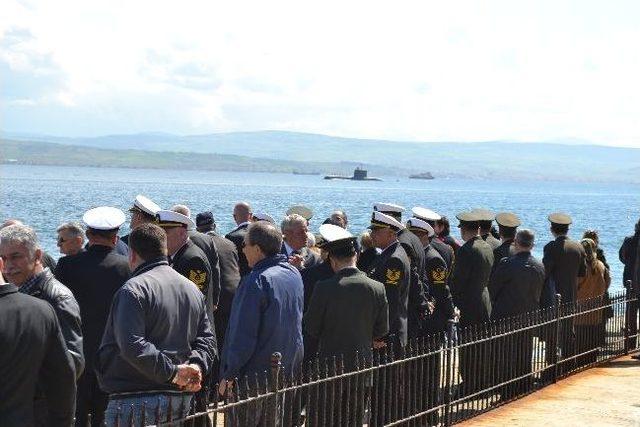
{"x": 158, "y": 320}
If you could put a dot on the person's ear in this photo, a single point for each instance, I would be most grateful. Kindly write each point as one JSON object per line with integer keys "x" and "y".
{"x": 38, "y": 255}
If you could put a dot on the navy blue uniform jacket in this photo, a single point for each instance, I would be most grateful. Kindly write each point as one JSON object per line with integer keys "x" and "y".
{"x": 266, "y": 317}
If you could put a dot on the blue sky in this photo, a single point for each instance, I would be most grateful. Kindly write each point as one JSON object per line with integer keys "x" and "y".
{"x": 423, "y": 70}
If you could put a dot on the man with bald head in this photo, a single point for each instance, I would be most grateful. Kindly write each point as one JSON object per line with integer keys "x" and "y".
{"x": 242, "y": 216}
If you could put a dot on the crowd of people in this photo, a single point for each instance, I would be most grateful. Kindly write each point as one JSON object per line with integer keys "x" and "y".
{"x": 124, "y": 328}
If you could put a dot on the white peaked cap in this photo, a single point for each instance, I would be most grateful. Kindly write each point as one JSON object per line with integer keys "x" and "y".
{"x": 146, "y": 205}
{"x": 174, "y": 218}
{"x": 104, "y": 218}
{"x": 331, "y": 233}
{"x": 421, "y": 225}
{"x": 380, "y": 220}
{"x": 425, "y": 214}
{"x": 387, "y": 207}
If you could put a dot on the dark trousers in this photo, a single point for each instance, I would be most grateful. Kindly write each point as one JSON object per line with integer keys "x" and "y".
{"x": 631, "y": 320}
{"x": 512, "y": 356}
{"x": 588, "y": 337}
{"x": 90, "y": 400}
{"x": 473, "y": 363}
{"x": 560, "y": 349}
{"x": 339, "y": 403}
{"x": 389, "y": 387}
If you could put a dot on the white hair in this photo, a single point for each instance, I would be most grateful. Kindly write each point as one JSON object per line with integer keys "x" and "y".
{"x": 290, "y": 221}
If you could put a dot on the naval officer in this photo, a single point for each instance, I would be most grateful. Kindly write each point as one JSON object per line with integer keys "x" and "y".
{"x": 418, "y": 306}
{"x": 184, "y": 256}
{"x": 446, "y": 252}
{"x": 94, "y": 276}
{"x": 393, "y": 270}
{"x": 143, "y": 211}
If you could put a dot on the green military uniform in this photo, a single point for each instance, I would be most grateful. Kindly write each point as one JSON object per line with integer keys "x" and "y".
{"x": 564, "y": 261}
{"x": 345, "y": 314}
{"x": 485, "y": 217}
{"x": 469, "y": 280}
{"x": 333, "y": 307}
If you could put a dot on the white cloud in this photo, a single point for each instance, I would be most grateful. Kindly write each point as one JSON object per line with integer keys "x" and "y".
{"x": 409, "y": 70}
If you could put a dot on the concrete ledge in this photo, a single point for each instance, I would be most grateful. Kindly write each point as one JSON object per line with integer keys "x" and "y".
{"x": 608, "y": 395}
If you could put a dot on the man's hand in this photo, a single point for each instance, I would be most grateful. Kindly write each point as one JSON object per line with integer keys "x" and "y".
{"x": 188, "y": 377}
{"x": 296, "y": 260}
{"x": 379, "y": 344}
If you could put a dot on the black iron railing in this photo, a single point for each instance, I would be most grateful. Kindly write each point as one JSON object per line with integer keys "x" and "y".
{"x": 437, "y": 380}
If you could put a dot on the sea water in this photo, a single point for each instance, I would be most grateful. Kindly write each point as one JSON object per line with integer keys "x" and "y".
{"x": 46, "y": 196}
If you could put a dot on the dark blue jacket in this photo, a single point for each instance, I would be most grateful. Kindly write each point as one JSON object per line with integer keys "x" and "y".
{"x": 266, "y": 317}
{"x": 158, "y": 320}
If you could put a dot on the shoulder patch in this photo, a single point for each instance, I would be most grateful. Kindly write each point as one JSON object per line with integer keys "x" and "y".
{"x": 438, "y": 275}
{"x": 198, "y": 277}
{"x": 392, "y": 276}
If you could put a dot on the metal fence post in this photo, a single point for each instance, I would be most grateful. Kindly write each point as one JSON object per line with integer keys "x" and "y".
{"x": 556, "y": 341}
{"x": 448, "y": 371}
{"x": 276, "y": 367}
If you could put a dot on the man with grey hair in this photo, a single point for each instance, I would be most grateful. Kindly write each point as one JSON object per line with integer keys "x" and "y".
{"x": 70, "y": 238}
{"x": 517, "y": 282}
{"x": 515, "y": 288}
{"x": 34, "y": 359}
{"x": 47, "y": 260}
{"x": 22, "y": 258}
{"x": 266, "y": 316}
{"x": 294, "y": 245}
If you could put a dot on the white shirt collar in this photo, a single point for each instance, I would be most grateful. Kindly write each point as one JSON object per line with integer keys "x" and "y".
{"x": 392, "y": 243}
{"x": 288, "y": 248}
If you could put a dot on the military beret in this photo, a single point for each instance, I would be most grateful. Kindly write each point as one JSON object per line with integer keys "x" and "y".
{"x": 417, "y": 224}
{"x": 104, "y": 218}
{"x": 560, "y": 218}
{"x": 388, "y": 208}
{"x": 508, "y": 219}
{"x": 301, "y": 210}
{"x": 168, "y": 219}
{"x": 484, "y": 214}
{"x": 380, "y": 220}
{"x": 145, "y": 205}
{"x": 425, "y": 214}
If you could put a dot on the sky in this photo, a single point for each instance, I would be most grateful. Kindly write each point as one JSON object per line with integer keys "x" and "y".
{"x": 404, "y": 70}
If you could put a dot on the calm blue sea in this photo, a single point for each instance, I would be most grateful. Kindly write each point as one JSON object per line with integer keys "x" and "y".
{"x": 45, "y": 196}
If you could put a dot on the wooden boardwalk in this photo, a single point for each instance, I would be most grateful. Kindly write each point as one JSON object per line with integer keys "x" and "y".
{"x": 608, "y": 395}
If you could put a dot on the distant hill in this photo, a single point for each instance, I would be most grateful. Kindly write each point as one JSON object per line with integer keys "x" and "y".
{"x": 45, "y": 153}
{"x": 485, "y": 160}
